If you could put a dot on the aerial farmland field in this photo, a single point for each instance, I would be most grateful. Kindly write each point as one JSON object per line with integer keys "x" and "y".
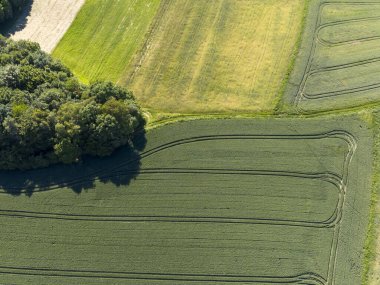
{"x": 339, "y": 60}
{"x": 281, "y": 201}
{"x": 259, "y": 163}
{"x": 197, "y": 56}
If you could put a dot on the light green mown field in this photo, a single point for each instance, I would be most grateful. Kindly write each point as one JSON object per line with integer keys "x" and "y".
{"x": 198, "y": 56}
{"x": 105, "y": 36}
{"x": 339, "y": 61}
{"x": 264, "y": 201}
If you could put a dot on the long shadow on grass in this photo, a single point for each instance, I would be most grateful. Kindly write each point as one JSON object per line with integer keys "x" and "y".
{"x": 119, "y": 168}
{"x": 19, "y": 22}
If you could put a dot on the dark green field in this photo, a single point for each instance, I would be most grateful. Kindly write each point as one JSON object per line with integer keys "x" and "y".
{"x": 339, "y": 62}
{"x": 207, "y": 202}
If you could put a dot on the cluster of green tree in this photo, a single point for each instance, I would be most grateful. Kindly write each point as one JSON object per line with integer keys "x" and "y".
{"x": 47, "y": 116}
{"x": 9, "y": 8}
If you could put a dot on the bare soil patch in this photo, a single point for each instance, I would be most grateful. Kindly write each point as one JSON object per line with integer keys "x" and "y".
{"x": 48, "y": 21}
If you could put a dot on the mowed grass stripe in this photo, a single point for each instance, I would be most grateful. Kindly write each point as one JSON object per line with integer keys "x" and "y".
{"x": 105, "y": 36}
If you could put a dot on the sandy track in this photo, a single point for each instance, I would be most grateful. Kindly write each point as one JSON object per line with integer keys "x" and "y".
{"x": 48, "y": 21}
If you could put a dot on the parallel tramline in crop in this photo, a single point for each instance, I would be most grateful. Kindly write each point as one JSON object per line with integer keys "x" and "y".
{"x": 207, "y": 204}
{"x": 340, "y": 63}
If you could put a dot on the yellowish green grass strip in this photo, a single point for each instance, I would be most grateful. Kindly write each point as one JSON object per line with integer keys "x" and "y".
{"x": 292, "y": 61}
{"x": 187, "y": 56}
{"x": 105, "y": 37}
{"x": 219, "y": 56}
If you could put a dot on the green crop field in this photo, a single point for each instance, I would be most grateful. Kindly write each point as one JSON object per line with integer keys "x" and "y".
{"x": 198, "y": 56}
{"x": 250, "y": 201}
{"x": 105, "y": 36}
{"x": 339, "y": 63}
{"x": 278, "y": 199}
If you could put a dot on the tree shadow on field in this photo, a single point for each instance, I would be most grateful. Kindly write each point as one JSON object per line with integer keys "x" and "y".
{"x": 119, "y": 168}
{"x": 19, "y": 22}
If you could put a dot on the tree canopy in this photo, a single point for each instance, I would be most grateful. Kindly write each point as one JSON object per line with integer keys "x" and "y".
{"x": 47, "y": 116}
{"x": 9, "y": 8}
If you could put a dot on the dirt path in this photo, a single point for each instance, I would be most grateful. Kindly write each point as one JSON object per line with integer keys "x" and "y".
{"x": 48, "y": 21}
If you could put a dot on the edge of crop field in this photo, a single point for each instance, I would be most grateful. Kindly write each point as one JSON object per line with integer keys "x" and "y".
{"x": 371, "y": 238}
{"x": 161, "y": 119}
{"x": 172, "y": 118}
{"x": 297, "y": 46}
{"x": 286, "y": 104}
{"x": 372, "y": 106}
{"x": 52, "y": 53}
{"x": 368, "y": 114}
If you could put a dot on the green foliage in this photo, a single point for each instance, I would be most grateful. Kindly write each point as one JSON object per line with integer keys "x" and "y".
{"x": 8, "y": 8}
{"x": 47, "y": 116}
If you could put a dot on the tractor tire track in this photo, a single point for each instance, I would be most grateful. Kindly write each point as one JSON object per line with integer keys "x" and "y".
{"x": 341, "y": 134}
{"x": 340, "y": 181}
{"x": 328, "y": 43}
{"x": 309, "y": 277}
{"x": 301, "y": 93}
{"x": 332, "y": 178}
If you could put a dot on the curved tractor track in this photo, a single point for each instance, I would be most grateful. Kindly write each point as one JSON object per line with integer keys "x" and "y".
{"x": 303, "y": 95}
{"x": 338, "y": 180}
{"x": 308, "y": 278}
